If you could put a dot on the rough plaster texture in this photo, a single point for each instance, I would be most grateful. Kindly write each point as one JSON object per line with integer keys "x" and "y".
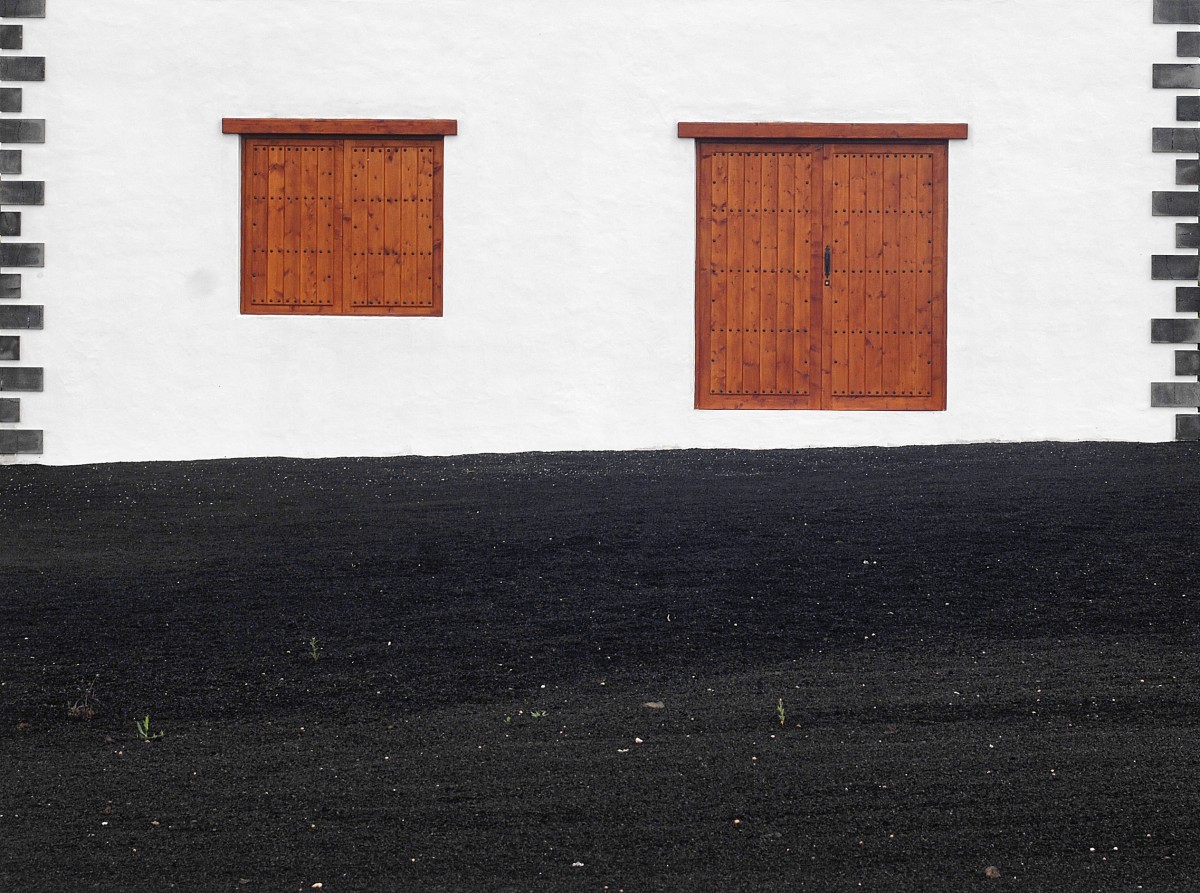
{"x": 569, "y": 218}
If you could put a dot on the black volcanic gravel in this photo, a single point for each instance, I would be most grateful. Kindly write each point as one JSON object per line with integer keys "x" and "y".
{"x": 987, "y": 659}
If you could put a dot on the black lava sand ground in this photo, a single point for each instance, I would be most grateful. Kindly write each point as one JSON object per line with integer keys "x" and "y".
{"x": 987, "y": 657}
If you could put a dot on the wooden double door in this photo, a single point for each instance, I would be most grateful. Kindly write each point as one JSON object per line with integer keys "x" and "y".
{"x": 821, "y": 275}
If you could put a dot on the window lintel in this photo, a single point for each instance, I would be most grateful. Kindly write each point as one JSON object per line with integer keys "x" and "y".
{"x": 341, "y": 126}
{"x": 806, "y": 130}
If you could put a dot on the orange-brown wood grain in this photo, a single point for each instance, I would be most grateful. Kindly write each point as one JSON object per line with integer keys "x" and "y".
{"x": 754, "y": 276}
{"x": 806, "y": 130}
{"x": 770, "y": 334}
{"x": 341, "y": 225}
{"x": 341, "y": 126}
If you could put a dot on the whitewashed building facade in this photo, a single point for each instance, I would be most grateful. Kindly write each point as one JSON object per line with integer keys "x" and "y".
{"x": 568, "y": 216}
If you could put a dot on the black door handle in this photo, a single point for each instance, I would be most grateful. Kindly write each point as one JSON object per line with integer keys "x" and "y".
{"x": 828, "y": 257}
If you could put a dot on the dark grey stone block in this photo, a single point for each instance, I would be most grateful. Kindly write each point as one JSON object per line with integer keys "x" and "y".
{"x": 10, "y": 161}
{"x": 23, "y": 130}
{"x": 1162, "y": 331}
{"x": 1187, "y": 299}
{"x": 33, "y": 192}
{"x": 10, "y": 224}
{"x": 1187, "y": 362}
{"x": 1187, "y": 172}
{"x": 1187, "y": 427}
{"x": 1187, "y": 108}
{"x": 1175, "y": 393}
{"x": 1176, "y": 139}
{"x": 10, "y": 409}
{"x": 22, "y": 68}
{"x": 29, "y": 378}
{"x": 1169, "y": 76}
{"x": 1162, "y": 266}
{"x": 33, "y": 254}
{"x": 29, "y": 316}
{"x": 10, "y": 286}
{"x": 1187, "y": 43}
{"x": 10, "y": 99}
{"x": 18, "y": 441}
{"x": 23, "y": 9}
{"x": 1177, "y": 12}
{"x": 12, "y": 37}
{"x": 1187, "y": 235}
{"x": 10, "y": 347}
{"x": 1162, "y": 204}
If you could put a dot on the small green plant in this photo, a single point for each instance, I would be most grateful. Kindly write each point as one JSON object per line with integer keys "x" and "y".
{"x": 314, "y": 648}
{"x": 508, "y": 719}
{"x": 779, "y": 711}
{"x": 538, "y": 714}
{"x": 143, "y": 729}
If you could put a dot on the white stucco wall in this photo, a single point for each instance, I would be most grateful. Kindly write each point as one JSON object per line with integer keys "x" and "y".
{"x": 569, "y": 218}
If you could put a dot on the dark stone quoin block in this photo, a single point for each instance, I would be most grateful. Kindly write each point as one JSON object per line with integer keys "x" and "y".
{"x": 1177, "y": 76}
{"x": 23, "y": 9}
{"x": 24, "y": 316}
{"x": 1177, "y": 12}
{"x": 1175, "y": 204}
{"x": 10, "y": 286}
{"x": 1175, "y": 331}
{"x": 33, "y": 254}
{"x": 1187, "y": 299}
{"x": 1187, "y": 43}
{"x": 23, "y": 130}
{"x": 1176, "y": 139}
{"x": 1187, "y": 427}
{"x": 20, "y": 442}
{"x": 22, "y": 68}
{"x": 10, "y": 347}
{"x": 20, "y": 378}
{"x": 10, "y": 409}
{"x": 33, "y": 192}
{"x": 1175, "y": 266}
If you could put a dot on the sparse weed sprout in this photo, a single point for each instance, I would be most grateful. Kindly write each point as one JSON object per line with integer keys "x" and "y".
{"x": 314, "y": 647}
{"x": 538, "y": 714}
{"x": 779, "y": 711}
{"x": 143, "y": 729}
{"x": 85, "y": 707}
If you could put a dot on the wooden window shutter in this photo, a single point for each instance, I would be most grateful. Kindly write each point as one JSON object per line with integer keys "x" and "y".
{"x": 886, "y": 305}
{"x": 394, "y": 244}
{"x": 342, "y": 216}
{"x": 821, "y": 265}
{"x": 291, "y": 225}
{"x": 758, "y": 336}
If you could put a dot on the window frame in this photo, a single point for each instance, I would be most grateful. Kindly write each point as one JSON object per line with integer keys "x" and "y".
{"x": 345, "y": 133}
{"x": 821, "y": 394}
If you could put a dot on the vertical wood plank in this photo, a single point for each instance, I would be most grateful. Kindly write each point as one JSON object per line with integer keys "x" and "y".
{"x": 905, "y": 300}
{"x": 409, "y": 204}
{"x": 750, "y": 323}
{"x": 716, "y": 309}
{"x": 895, "y": 344}
{"x": 736, "y": 277}
{"x": 424, "y": 294}
{"x": 873, "y": 273}
{"x": 786, "y": 375}
{"x": 276, "y": 173}
{"x": 769, "y": 296}
{"x": 810, "y": 302}
{"x": 935, "y": 178}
